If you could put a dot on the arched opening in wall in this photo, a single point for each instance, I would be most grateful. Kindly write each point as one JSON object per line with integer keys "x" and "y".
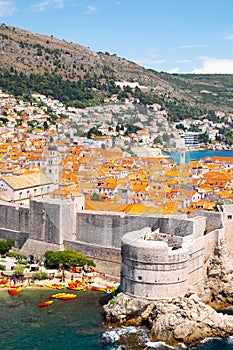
{"x": 139, "y": 278}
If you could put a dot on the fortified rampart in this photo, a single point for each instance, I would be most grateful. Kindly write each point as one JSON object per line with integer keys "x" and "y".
{"x": 158, "y": 266}
{"x": 53, "y": 224}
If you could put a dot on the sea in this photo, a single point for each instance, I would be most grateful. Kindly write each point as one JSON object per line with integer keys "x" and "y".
{"x": 72, "y": 324}
{"x": 197, "y": 155}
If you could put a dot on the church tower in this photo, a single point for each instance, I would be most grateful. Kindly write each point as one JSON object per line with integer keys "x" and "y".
{"x": 52, "y": 164}
{"x": 180, "y": 148}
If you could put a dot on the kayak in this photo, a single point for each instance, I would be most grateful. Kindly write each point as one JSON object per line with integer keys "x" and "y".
{"x": 14, "y": 290}
{"x": 45, "y": 303}
{"x": 56, "y": 296}
{"x": 63, "y": 296}
{"x": 68, "y": 297}
{"x": 55, "y": 286}
{"x": 98, "y": 288}
{"x": 83, "y": 288}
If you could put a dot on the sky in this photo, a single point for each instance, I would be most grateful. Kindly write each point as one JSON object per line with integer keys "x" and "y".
{"x": 174, "y": 36}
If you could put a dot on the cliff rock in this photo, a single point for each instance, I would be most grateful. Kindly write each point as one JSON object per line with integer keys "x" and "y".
{"x": 184, "y": 320}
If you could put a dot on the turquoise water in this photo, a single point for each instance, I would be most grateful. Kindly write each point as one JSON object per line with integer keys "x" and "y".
{"x": 72, "y": 324}
{"x": 196, "y": 155}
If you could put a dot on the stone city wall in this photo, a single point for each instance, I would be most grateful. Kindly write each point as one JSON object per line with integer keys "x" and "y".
{"x": 14, "y": 217}
{"x": 45, "y": 222}
{"x": 98, "y": 235}
{"x": 107, "y": 260}
{"x": 152, "y": 269}
{"x": 20, "y": 238}
{"x": 38, "y": 248}
{"x": 107, "y": 229}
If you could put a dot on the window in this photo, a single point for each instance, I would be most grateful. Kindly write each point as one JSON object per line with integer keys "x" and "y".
{"x": 229, "y": 217}
{"x": 139, "y": 278}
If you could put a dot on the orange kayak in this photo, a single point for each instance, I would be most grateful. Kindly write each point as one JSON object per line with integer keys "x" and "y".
{"x": 83, "y": 288}
{"x": 99, "y": 288}
{"x": 14, "y": 290}
{"x": 45, "y": 303}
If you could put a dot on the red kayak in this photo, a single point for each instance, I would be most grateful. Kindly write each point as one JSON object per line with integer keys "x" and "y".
{"x": 14, "y": 290}
{"x": 45, "y": 303}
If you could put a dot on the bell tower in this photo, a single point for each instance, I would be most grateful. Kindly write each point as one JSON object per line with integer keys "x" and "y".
{"x": 52, "y": 164}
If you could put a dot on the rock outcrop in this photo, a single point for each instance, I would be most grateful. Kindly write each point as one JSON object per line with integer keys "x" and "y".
{"x": 183, "y": 320}
{"x": 187, "y": 319}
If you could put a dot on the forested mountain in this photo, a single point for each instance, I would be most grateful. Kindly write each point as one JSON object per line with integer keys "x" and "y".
{"x": 77, "y": 75}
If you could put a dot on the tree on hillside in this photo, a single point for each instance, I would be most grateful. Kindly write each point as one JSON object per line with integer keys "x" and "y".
{"x": 93, "y": 131}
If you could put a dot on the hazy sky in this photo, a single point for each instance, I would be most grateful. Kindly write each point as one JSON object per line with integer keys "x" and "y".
{"x": 176, "y": 36}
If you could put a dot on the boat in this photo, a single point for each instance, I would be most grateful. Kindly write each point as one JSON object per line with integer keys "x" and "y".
{"x": 45, "y": 303}
{"x": 62, "y": 296}
{"x": 55, "y": 286}
{"x": 56, "y": 296}
{"x": 98, "y": 288}
{"x": 3, "y": 282}
{"x": 83, "y": 288}
{"x": 111, "y": 289}
{"x": 14, "y": 290}
{"x": 68, "y": 297}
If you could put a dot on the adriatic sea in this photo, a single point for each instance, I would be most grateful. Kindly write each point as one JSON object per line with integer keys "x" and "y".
{"x": 197, "y": 155}
{"x": 71, "y": 324}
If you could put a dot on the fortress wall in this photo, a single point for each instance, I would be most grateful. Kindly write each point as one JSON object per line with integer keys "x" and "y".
{"x": 107, "y": 260}
{"x": 23, "y": 219}
{"x": 150, "y": 269}
{"x": 67, "y": 221}
{"x": 107, "y": 229}
{"x": 200, "y": 251}
{"x": 214, "y": 220}
{"x": 195, "y": 265}
{"x": 100, "y": 228}
{"x": 38, "y": 248}
{"x": 45, "y": 222}
{"x": 209, "y": 242}
{"x": 174, "y": 226}
{"x": 19, "y": 237}
{"x": 228, "y": 221}
{"x": 14, "y": 218}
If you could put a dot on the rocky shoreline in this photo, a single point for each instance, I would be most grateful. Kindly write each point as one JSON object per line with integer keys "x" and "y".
{"x": 184, "y": 320}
